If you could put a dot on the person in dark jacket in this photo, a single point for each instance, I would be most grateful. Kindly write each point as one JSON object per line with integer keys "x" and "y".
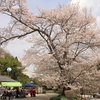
{"x": 17, "y": 92}
{"x": 4, "y": 95}
{"x": 9, "y": 93}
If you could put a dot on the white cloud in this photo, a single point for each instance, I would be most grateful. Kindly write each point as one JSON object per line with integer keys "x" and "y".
{"x": 17, "y": 47}
{"x": 98, "y": 21}
{"x": 88, "y": 3}
{"x": 94, "y": 4}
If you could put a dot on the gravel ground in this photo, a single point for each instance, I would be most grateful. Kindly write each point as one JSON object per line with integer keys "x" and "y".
{"x": 46, "y": 96}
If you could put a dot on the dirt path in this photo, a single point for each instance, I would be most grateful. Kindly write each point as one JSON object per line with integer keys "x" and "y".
{"x": 46, "y": 96}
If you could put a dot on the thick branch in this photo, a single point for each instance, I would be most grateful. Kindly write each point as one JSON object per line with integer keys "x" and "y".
{"x": 18, "y": 36}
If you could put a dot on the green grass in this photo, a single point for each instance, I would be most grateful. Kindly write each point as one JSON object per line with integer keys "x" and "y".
{"x": 49, "y": 91}
{"x": 52, "y": 91}
{"x": 73, "y": 99}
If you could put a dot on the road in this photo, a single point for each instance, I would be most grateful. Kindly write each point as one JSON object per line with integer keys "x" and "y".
{"x": 46, "y": 96}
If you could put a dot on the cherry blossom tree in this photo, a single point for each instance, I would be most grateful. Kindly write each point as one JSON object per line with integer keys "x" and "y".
{"x": 70, "y": 34}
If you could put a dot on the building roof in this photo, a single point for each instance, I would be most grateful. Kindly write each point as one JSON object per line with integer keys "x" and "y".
{"x": 6, "y": 79}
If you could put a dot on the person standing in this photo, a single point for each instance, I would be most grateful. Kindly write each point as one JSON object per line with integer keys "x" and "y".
{"x": 9, "y": 92}
{"x": 31, "y": 92}
{"x": 17, "y": 92}
{"x": 34, "y": 92}
{"x": 5, "y": 93}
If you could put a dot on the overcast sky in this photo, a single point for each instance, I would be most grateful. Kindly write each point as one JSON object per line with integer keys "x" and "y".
{"x": 17, "y": 47}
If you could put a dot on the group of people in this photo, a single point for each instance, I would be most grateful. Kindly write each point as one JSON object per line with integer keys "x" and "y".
{"x": 17, "y": 93}
{"x": 32, "y": 92}
{"x": 8, "y": 92}
{"x": 20, "y": 93}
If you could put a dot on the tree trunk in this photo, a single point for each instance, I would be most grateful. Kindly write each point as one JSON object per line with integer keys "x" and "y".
{"x": 64, "y": 81}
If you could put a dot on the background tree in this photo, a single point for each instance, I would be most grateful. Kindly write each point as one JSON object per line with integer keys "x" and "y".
{"x": 69, "y": 32}
{"x": 7, "y": 60}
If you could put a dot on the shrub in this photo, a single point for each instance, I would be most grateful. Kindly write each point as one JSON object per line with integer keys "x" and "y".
{"x": 44, "y": 91}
